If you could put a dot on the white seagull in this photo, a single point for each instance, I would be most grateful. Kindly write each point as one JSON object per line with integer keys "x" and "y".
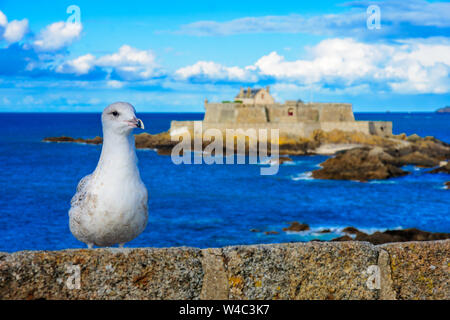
{"x": 110, "y": 205}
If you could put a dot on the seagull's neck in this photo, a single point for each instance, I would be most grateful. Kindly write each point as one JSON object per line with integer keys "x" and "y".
{"x": 118, "y": 154}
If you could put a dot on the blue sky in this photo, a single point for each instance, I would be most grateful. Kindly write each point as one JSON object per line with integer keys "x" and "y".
{"x": 169, "y": 56}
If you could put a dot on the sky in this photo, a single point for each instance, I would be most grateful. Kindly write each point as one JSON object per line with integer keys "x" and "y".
{"x": 168, "y": 56}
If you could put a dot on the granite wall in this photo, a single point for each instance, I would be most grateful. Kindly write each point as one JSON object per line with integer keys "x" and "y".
{"x": 314, "y": 270}
{"x": 293, "y": 129}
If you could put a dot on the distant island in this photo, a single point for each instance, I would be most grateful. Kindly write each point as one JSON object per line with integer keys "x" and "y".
{"x": 443, "y": 110}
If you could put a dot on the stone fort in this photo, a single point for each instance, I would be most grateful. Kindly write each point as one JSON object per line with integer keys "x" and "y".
{"x": 257, "y": 109}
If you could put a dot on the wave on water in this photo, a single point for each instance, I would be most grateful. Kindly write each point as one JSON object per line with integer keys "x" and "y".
{"x": 302, "y": 176}
{"x": 293, "y": 163}
{"x": 335, "y": 231}
{"x": 147, "y": 149}
{"x": 273, "y": 162}
{"x": 382, "y": 182}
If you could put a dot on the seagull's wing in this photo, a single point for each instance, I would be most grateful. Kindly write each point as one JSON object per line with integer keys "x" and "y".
{"x": 80, "y": 195}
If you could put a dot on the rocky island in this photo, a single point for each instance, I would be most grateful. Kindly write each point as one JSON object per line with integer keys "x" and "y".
{"x": 357, "y": 156}
{"x": 443, "y": 110}
{"x": 362, "y": 150}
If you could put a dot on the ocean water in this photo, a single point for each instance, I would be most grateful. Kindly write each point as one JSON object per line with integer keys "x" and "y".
{"x": 205, "y": 205}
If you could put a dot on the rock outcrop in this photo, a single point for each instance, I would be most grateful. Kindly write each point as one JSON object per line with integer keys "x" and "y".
{"x": 296, "y": 226}
{"x": 361, "y": 164}
{"x": 443, "y": 110}
{"x": 358, "y": 157}
{"x": 443, "y": 169}
{"x": 96, "y": 140}
{"x": 389, "y": 236}
{"x": 314, "y": 270}
{"x": 160, "y": 141}
{"x": 385, "y": 160}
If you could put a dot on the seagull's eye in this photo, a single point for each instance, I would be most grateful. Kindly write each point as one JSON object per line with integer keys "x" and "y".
{"x": 115, "y": 113}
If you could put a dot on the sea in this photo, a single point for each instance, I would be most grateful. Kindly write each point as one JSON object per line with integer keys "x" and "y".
{"x": 206, "y": 205}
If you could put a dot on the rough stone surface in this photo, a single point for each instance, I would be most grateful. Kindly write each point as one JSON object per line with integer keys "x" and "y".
{"x": 420, "y": 270}
{"x": 314, "y": 270}
{"x": 173, "y": 273}
{"x": 215, "y": 281}
{"x": 300, "y": 271}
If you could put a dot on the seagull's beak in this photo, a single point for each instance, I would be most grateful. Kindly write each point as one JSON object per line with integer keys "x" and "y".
{"x": 136, "y": 123}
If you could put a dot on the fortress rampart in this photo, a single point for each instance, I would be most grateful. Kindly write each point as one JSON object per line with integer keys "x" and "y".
{"x": 293, "y": 118}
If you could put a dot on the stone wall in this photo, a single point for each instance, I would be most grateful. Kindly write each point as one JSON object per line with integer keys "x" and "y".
{"x": 278, "y": 113}
{"x": 293, "y": 118}
{"x": 314, "y": 270}
{"x": 294, "y": 129}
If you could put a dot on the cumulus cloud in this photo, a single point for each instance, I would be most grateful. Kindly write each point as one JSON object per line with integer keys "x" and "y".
{"x": 13, "y": 31}
{"x": 3, "y": 19}
{"x": 80, "y": 65}
{"x": 131, "y": 63}
{"x": 342, "y": 59}
{"x": 416, "y": 18}
{"x": 57, "y": 35}
{"x": 209, "y": 70}
{"x": 128, "y": 64}
{"x": 406, "y": 67}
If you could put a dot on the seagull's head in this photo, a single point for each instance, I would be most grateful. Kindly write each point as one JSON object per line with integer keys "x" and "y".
{"x": 120, "y": 117}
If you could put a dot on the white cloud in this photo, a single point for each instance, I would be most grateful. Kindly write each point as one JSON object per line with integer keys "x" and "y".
{"x": 412, "y": 66}
{"x": 343, "y": 59}
{"x": 57, "y": 35}
{"x": 115, "y": 84}
{"x": 3, "y": 19}
{"x": 80, "y": 65}
{"x": 129, "y": 63}
{"x": 13, "y": 31}
{"x": 409, "y": 67}
{"x": 213, "y": 71}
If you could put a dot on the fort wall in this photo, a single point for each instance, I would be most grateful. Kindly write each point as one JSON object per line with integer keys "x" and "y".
{"x": 293, "y": 118}
{"x": 295, "y": 129}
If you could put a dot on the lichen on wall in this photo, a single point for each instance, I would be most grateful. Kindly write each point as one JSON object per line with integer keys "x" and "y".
{"x": 314, "y": 270}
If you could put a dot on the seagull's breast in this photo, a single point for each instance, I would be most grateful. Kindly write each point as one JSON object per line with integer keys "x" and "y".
{"x": 114, "y": 209}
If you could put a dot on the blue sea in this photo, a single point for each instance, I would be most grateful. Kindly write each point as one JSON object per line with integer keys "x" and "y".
{"x": 205, "y": 205}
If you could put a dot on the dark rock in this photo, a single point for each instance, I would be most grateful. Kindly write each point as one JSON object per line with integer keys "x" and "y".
{"x": 255, "y": 230}
{"x": 96, "y": 140}
{"x": 164, "y": 151}
{"x": 358, "y": 164}
{"x": 325, "y": 231}
{"x": 443, "y": 169}
{"x": 447, "y": 185}
{"x": 161, "y": 141}
{"x": 295, "y": 226}
{"x": 271, "y": 232}
{"x": 350, "y": 230}
{"x": 416, "y": 158}
{"x": 398, "y": 236}
{"x": 284, "y": 159}
{"x": 343, "y": 238}
{"x": 443, "y": 110}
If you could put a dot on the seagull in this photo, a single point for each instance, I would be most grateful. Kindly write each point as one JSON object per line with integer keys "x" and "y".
{"x": 110, "y": 205}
